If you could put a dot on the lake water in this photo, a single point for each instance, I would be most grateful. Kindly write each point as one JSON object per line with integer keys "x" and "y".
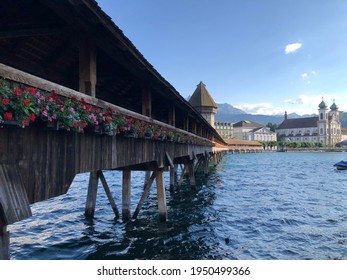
{"x": 253, "y": 206}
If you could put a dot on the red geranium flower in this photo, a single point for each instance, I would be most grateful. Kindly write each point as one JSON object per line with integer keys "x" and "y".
{"x": 25, "y": 123}
{"x": 6, "y": 101}
{"x": 31, "y": 90}
{"x": 17, "y": 92}
{"x": 8, "y": 116}
{"x": 32, "y": 117}
{"x": 75, "y": 124}
{"x": 26, "y": 102}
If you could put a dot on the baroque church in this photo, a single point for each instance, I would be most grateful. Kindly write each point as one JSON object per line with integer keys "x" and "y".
{"x": 324, "y": 129}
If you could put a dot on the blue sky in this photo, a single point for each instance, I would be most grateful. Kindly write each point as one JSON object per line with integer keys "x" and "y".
{"x": 262, "y": 56}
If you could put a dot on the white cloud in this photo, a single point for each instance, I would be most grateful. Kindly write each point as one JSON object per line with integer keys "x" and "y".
{"x": 289, "y": 101}
{"x": 292, "y": 48}
{"x": 260, "y": 108}
{"x": 304, "y": 76}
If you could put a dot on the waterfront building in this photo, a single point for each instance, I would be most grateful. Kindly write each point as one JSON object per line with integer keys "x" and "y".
{"x": 203, "y": 102}
{"x": 248, "y": 130}
{"x": 242, "y": 129}
{"x": 324, "y": 128}
{"x": 225, "y": 129}
{"x": 263, "y": 134}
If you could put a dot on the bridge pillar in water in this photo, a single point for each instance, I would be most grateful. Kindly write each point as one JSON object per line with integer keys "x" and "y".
{"x": 4, "y": 243}
{"x": 161, "y": 196}
{"x": 92, "y": 193}
{"x": 191, "y": 171}
{"x": 206, "y": 165}
{"x": 126, "y": 193}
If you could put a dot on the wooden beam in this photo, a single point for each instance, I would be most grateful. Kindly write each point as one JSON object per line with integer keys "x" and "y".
{"x": 4, "y": 243}
{"x": 172, "y": 115}
{"x": 206, "y": 164}
{"x": 14, "y": 203}
{"x": 92, "y": 193}
{"x": 182, "y": 174}
{"x": 172, "y": 178}
{"x": 145, "y": 194}
{"x": 126, "y": 195}
{"x": 169, "y": 160}
{"x": 161, "y": 195}
{"x": 146, "y": 101}
{"x": 191, "y": 174}
{"x": 108, "y": 193}
{"x": 32, "y": 32}
{"x": 87, "y": 67}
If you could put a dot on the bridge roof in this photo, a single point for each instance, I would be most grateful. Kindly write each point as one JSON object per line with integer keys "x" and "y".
{"x": 236, "y": 142}
{"x": 44, "y": 38}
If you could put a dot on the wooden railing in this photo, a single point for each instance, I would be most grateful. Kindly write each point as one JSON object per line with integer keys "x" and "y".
{"x": 23, "y": 78}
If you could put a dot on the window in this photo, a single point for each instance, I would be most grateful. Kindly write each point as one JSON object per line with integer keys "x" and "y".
{"x": 321, "y": 131}
{"x": 321, "y": 116}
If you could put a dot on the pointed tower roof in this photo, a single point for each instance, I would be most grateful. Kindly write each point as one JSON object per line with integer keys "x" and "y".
{"x": 201, "y": 97}
{"x": 334, "y": 107}
{"x": 323, "y": 105}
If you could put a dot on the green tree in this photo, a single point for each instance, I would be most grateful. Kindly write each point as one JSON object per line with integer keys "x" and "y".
{"x": 272, "y": 126}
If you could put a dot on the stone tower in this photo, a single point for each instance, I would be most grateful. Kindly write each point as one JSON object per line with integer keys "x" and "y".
{"x": 204, "y": 103}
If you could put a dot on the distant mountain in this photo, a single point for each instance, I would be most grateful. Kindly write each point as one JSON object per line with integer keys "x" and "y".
{"x": 228, "y": 113}
{"x": 227, "y": 109}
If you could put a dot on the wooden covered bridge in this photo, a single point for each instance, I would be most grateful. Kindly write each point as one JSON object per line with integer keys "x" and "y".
{"x": 77, "y": 96}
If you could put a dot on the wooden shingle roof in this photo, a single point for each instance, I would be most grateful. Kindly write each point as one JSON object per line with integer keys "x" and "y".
{"x": 201, "y": 97}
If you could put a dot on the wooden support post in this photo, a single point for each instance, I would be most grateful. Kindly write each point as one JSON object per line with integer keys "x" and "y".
{"x": 191, "y": 174}
{"x": 206, "y": 165}
{"x": 4, "y": 243}
{"x": 146, "y": 101}
{"x": 172, "y": 178}
{"x": 147, "y": 175}
{"x": 184, "y": 169}
{"x": 108, "y": 193}
{"x": 161, "y": 196}
{"x": 145, "y": 194}
{"x": 92, "y": 192}
{"x": 172, "y": 115}
{"x": 87, "y": 67}
{"x": 186, "y": 123}
{"x": 126, "y": 192}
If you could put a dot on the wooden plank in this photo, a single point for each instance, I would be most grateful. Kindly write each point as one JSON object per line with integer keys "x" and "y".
{"x": 182, "y": 174}
{"x": 92, "y": 192}
{"x": 108, "y": 193}
{"x": 161, "y": 195}
{"x": 146, "y": 101}
{"x": 169, "y": 160}
{"x": 14, "y": 203}
{"x": 87, "y": 67}
{"x": 145, "y": 194}
{"x": 126, "y": 194}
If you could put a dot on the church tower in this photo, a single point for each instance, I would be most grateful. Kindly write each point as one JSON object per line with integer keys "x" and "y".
{"x": 202, "y": 101}
{"x": 334, "y": 125}
{"x": 323, "y": 123}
